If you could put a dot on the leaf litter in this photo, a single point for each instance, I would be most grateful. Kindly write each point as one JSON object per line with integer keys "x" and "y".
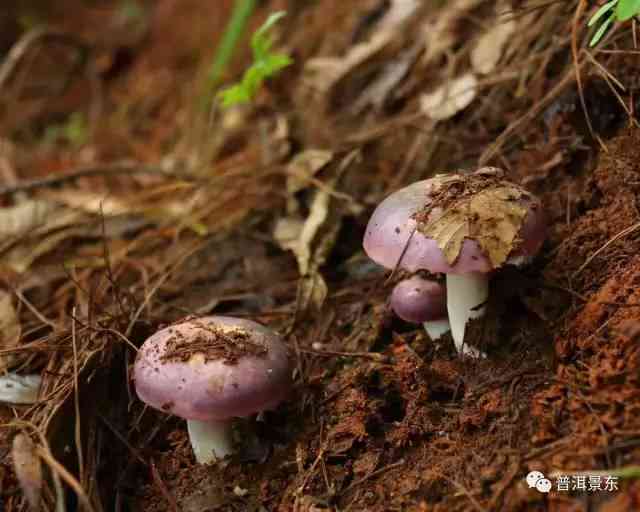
{"x": 381, "y": 418}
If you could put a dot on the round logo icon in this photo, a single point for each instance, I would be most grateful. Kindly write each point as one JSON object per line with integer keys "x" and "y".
{"x": 543, "y": 485}
{"x": 533, "y": 477}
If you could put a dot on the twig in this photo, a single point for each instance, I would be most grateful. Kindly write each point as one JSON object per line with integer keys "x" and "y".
{"x": 575, "y": 55}
{"x": 33, "y": 309}
{"x": 529, "y": 116}
{"x": 622, "y": 233}
{"x": 173, "y": 506}
{"x": 321, "y": 451}
{"x": 85, "y": 172}
{"x": 76, "y": 400}
{"x": 69, "y": 479}
{"x": 377, "y": 472}
{"x": 161, "y": 280}
{"x": 331, "y": 353}
{"x": 476, "y": 505}
{"x": 123, "y": 439}
{"x": 20, "y": 48}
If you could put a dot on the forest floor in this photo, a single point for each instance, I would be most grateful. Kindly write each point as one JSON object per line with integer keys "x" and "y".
{"x": 126, "y": 205}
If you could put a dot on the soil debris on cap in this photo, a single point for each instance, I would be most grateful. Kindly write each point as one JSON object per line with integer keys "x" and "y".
{"x": 477, "y": 206}
{"x": 214, "y": 344}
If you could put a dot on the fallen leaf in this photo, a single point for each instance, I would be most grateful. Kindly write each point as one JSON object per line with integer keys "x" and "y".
{"x": 10, "y": 328}
{"x": 19, "y": 389}
{"x": 450, "y": 98}
{"x": 287, "y": 232}
{"x": 492, "y": 217}
{"x": 24, "y": 217}
{"x": 303, "y": 166}
{"x": 384, "y": 84}
{"x": 489, "y": 48}
{"x": 297, "y": 236}
{"x": 91, "y": 202}
{"x": 323, "y": 73}
{"x": 440, "y": 35}
{"x": 22, "y": 256}
{"x": 28, "y": 469}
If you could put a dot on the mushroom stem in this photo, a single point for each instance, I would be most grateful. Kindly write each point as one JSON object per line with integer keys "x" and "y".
{"x": 466, "y": 297}
{"x": 436, "y": 328}
{"x": 210, "y": 440}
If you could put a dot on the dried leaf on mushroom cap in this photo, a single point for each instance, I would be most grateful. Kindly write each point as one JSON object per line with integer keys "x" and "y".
{"x": 478, "y": 206}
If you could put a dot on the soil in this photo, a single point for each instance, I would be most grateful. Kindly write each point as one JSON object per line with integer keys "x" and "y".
{"x": 214, "y": 345}
{"x": 159, "y": 210}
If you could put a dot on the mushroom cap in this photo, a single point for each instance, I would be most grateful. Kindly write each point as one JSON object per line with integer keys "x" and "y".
{"x": 214, "y": 389}
{"x": 419, "y": 300}
{"x": 392, "y": 228}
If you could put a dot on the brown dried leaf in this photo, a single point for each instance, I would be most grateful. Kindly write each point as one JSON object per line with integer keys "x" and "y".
{"x": 312, "y": 292}
{"x": 449, "y": 99}
{"x": 323, "y": 73}
{"x": 489, "y": 48}
{"x": 492, "y": 217}
{"x": 28, "y": 469}
{"x": 91, "y": 202}
{"x": 10, "y": 328}
{"x": 305, "y": 165}
{"x": 24, "y": 217}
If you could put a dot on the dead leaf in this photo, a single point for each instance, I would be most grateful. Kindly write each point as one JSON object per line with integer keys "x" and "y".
{"x": 305, "y": 165}
{"x": 492, "y": 217}
{"x": 297, "y": 236}
{"x": 10, "y": 328}
{"x": 450, "y": 98}
{"x": 91, "y": 202}
{"x": 21, "y": 257}
{"x": 440, "y": 34}
{"x": 24, "y": 217}
{"x": 19, "y": 389}
{"x": 28, "y": 469}
{"x": 489, "y": 48}
{"x": 323, "y": 73}
{"x": 377, "y": 92}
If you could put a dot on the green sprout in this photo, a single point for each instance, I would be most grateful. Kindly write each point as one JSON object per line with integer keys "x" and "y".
{"x": 266, "y": 63}
{"x": 615, "y": 10}
{"x": 74, "y": 131}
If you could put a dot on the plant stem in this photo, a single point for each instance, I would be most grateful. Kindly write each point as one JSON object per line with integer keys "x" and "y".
{"x": 236, "y": 26}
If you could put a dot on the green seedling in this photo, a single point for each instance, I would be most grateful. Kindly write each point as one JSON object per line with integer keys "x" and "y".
{"x": 266, "y": 63}
{"x": 615, "y": 10}
{"x": 74, "y": 131}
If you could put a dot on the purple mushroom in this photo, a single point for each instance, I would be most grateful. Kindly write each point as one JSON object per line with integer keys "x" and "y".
{"x": 210, "y": 370}
{"x": 464, "y": 226}
{"x": 422, "y": 301}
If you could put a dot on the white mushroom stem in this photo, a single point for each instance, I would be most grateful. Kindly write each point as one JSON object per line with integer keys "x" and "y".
{"x": 210, "y": 440}
{"x": 437, "y": 328}
{"x": 466, "y": 298}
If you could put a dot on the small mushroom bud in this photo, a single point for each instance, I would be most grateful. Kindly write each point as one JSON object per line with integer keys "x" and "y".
{"x": 421, "y": 301}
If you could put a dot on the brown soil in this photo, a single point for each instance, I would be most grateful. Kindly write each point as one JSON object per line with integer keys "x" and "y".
{"x": 214, "y": 345}
{"x": 381, "y": 418}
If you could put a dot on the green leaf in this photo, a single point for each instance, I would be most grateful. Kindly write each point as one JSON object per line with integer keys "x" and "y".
{"x": 600, "y": 32}
{"x": 261, "y": 40}
{"x": 601, "y": 12}
{"x": 234, "y": 95}
{"x": 265, "y": 64}
{"x": 627, "y": 9}
{"x": 276, "y": 62}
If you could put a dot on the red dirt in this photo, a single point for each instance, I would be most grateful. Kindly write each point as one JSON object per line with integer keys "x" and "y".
{"x": 381, "y": 418}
